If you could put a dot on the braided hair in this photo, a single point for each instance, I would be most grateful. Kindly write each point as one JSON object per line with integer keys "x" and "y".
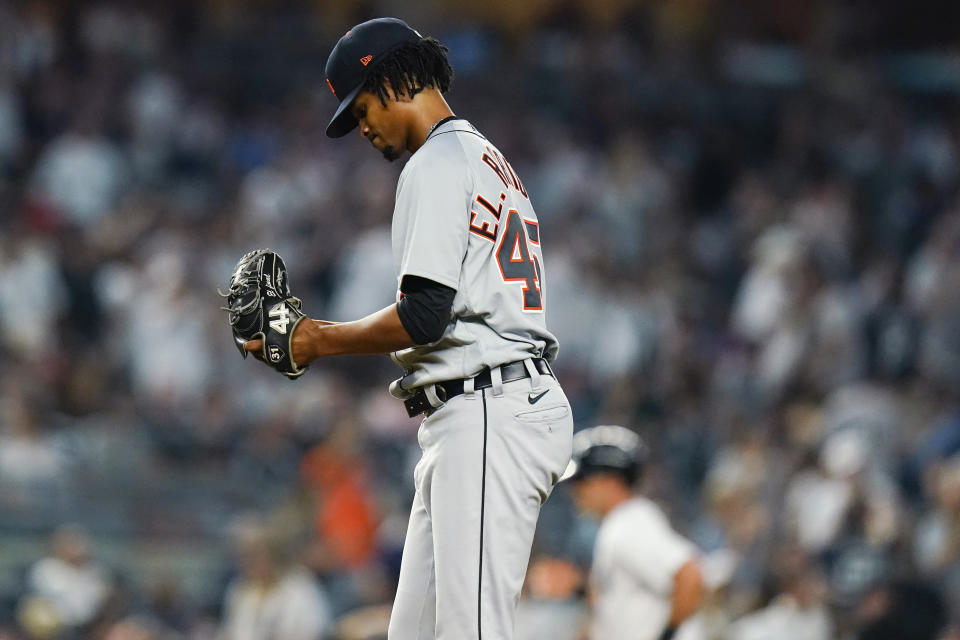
{"x": 409, "y": 69}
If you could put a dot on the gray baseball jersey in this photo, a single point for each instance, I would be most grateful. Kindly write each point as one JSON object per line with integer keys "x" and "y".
{"x": 491, "y": 456}
{"x": 463, "y": 218}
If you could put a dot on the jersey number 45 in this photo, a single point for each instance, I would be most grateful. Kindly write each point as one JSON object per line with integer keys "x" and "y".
{"x": 517, "y": 261}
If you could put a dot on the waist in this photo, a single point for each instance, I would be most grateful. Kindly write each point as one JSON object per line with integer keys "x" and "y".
{"x": 447, "y": 389}
{"x": 466, "y": 348}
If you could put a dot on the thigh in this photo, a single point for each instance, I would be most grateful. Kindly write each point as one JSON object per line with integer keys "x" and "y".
{"x": 488, "y": 464}
{"x": 528, "y": 448}
{"x": 451, "y": 478}
{"x": 535, "y": 426}
{"x": 415, "y": 606}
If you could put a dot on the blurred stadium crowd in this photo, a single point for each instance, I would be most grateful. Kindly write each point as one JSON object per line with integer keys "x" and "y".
{"x": 753, "y": 258}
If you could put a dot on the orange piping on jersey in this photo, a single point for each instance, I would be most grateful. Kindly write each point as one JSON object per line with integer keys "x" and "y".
{"x": 536, "y": 231}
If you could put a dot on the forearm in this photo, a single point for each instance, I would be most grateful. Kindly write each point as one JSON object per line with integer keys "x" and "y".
{"x": 378, "y": 333}
{"x": 687, "y": 594}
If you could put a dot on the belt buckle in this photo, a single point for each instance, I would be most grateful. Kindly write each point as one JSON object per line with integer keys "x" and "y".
{"x": 441, "y": 396}
{"x": 417, "y": 404}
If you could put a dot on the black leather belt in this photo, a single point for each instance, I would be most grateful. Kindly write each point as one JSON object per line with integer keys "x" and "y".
{"x": 509, "y": 372}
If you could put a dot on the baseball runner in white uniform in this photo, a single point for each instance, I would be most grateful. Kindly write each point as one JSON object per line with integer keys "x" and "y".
{"x": 469, "y": 330}
{"x": 645, "y": 583}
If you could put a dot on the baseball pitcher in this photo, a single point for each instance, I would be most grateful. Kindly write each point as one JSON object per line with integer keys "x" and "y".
{"x": 468, "y": 329}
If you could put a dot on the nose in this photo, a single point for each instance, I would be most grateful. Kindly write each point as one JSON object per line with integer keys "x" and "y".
{"x": 364, "y": 129}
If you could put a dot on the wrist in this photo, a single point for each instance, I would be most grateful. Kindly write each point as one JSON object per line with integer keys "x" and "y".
{"x": 317, "y": 339}
{"x": 303, "y": 342}
{"x": 668, "y": 633}
{"x": 321, "y": 342}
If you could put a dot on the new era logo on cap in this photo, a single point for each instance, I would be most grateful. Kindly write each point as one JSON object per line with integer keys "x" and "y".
{"x": 365, "y": 60}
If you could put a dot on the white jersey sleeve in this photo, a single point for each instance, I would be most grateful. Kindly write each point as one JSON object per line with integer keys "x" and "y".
{"x": 433, "y": 200}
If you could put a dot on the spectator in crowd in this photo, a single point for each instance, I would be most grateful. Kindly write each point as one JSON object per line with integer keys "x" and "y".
{"x": 757, "y": 254}
{"x": 32, "y": 467}
{"x": 274, "y": 596}
{"x": 798, "y": 609}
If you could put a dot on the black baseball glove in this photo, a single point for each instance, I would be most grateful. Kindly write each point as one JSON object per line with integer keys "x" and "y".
{"x": 261, "y": 307}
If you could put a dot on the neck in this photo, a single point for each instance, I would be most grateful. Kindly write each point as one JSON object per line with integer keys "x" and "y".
{"x": 617, "y": 496}
{"x": 432, "y": 109}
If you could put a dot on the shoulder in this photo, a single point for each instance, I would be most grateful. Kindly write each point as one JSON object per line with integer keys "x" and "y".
{"x": 235, "y": 593}
{"x": 637, "y": 514}
{"x": 299, "y": 579}
{"x": 441, "y": 150}
{"x": 300, "y": 590}
{"x": 441, "y": 160}
{"x": 44, "y": 569}
{"x": 299, "y": 584}
{"x": 638, "y": 510}
{"x": 640, "y": 536}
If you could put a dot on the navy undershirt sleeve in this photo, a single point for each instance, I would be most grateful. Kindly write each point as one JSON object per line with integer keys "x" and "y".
{"x": 424, "y": 308}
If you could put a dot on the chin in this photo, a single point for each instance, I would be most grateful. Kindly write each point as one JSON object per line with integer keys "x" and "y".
{"x": 390, "y": 153}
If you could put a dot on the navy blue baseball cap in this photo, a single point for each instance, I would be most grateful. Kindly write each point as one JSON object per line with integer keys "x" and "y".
{"x": 354, "y": 55}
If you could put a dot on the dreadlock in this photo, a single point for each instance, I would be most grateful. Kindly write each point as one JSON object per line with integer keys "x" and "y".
{"x": 409, "y": 69}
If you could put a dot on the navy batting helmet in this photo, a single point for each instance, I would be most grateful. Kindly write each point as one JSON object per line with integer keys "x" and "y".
{"x": 606, "y": 449}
